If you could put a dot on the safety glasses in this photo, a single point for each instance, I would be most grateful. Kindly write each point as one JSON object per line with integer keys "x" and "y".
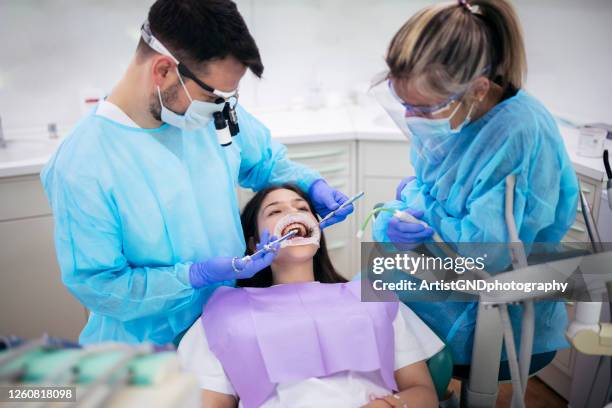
{"x": 420, "y": 110}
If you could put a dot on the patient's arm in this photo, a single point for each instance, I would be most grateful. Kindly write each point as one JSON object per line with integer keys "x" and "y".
{"x": 416, "y": 389}
{"x": 213, "y": 399}
{"x": 415, "y": 386}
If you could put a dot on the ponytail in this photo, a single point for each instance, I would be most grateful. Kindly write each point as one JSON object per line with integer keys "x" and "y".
{"x": 509, "y": 60}
{"x": 444, "y": 47}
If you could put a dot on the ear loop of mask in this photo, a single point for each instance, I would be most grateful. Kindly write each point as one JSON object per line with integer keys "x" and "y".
{"x": 182, "y": 84}
{"x": 468, "y": 117}
{"x": 180, "y": 77}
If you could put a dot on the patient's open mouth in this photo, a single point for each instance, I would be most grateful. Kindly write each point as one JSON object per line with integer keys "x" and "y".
{"x": 305, "y": 225}
{"x": 302, "y": 230}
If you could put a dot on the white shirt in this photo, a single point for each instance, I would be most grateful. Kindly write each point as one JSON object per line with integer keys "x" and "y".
{"x": 111, "y": 111}
{"x": 414, "y": 342}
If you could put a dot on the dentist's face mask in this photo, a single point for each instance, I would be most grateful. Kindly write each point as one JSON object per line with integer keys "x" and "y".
{"x": 433, "y": 138}
{"x": 198, "y": 114}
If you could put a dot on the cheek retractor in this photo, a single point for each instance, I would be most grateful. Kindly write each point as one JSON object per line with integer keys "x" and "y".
{"x": 305, "y": 225}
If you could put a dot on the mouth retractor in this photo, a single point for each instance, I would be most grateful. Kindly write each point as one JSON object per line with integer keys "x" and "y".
{"x": 308, "y": 231}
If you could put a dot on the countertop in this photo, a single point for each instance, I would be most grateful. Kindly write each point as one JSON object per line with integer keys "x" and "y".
{"x": 289, "y": 127}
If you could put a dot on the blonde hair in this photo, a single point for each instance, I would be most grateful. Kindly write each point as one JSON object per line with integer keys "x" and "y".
{"x": 444, "y": 47}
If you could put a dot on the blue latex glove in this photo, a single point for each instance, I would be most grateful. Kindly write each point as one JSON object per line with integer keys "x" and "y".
{"x": 326, "y": 199}
{"x": 408, "y": 235}
{"x": 400, "y": 187}
{"x": 219, "y": 269}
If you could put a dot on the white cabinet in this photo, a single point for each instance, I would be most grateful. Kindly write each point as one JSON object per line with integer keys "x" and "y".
{"x": 592, "y": 192}
{"x": 33, "y": 299}
{"x": 558, "y": 374}
{"x": 382, "y": 166}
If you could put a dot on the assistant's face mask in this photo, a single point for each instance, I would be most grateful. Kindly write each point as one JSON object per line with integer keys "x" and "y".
{"x": 433, "y": 138}
{"x": 308, "y": 232}
{"x": 198, "y": 114}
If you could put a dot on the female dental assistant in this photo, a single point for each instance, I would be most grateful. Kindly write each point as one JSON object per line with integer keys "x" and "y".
{"x": 144, "y": 194}
{"x": 456, "y": 71}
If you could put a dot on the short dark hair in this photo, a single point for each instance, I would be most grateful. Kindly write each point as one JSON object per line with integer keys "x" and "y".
{"x": 324, "y": 270}
{"x": 197, "y": 31}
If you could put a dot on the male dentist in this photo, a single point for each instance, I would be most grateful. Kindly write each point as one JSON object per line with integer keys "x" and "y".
{"x": 143, "y": 191}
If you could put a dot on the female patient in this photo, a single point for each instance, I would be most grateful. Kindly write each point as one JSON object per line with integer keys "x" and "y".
{"x": 296, "y": 334}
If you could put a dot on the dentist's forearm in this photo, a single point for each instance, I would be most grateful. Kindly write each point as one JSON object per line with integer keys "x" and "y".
{"x": 133, "y": 292}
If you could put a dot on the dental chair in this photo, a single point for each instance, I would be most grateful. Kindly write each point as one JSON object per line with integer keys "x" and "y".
{"x": 479, "y": 386}
{"x": 441, "y": 370}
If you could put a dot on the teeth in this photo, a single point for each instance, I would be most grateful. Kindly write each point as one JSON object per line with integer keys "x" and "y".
{"x": 306, "y": 226}
{"x": 302, "y": 230}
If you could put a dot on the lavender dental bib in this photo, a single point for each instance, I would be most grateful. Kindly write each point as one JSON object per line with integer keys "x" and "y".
{"x": 291, "y": 332}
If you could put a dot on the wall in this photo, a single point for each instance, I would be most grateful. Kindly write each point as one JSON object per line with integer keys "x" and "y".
{"x": 52, "y": 49}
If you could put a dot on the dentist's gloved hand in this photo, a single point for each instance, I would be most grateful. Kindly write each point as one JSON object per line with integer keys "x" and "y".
{"x": 220, "y": 269}
{"x": 408, "y": 235}
{"x": 326, "y": 199}
{"x": 400, "y": 187}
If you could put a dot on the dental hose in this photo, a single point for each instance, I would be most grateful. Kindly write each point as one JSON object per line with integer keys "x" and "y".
{"x": 404, "y": 216}
{"x": 519, "y": 369}
{"x": 371, "y": 214}
{"x": 517, "y": 389}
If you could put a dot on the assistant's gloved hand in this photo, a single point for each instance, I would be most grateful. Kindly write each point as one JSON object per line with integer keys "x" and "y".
{"x": 326, "y": 199}
{"x": 408, "y": 235}
{"x": 400, "y": 187}
{"x": 220, "y": 269}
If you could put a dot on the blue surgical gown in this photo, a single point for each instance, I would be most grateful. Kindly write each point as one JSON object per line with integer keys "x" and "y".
{"x": 135, "y": 207}
{"x": 463, "y": 200}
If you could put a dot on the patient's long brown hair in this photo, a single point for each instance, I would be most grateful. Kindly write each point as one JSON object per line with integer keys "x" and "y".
{"x": 324, "y": 271}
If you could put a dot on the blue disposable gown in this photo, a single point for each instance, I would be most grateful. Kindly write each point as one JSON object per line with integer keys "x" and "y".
{"x": 135, "y": 207}
{"x": 463, "y": 200}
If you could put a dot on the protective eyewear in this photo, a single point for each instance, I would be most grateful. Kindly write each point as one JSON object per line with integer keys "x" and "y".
{"x": 155, "y": 44}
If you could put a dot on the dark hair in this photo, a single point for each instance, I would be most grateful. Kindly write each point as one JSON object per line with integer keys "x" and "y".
{"x": 324, "y": 271}
{"x": 197, "y": 31}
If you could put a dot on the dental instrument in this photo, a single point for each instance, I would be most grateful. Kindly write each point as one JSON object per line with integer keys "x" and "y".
{"x": 344, "y": 204}
{"x": 402, "y": 215}
{"x": 269, "y": 247}
{"x": 406, "y": 216}
{"x": 309, "y": 230}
